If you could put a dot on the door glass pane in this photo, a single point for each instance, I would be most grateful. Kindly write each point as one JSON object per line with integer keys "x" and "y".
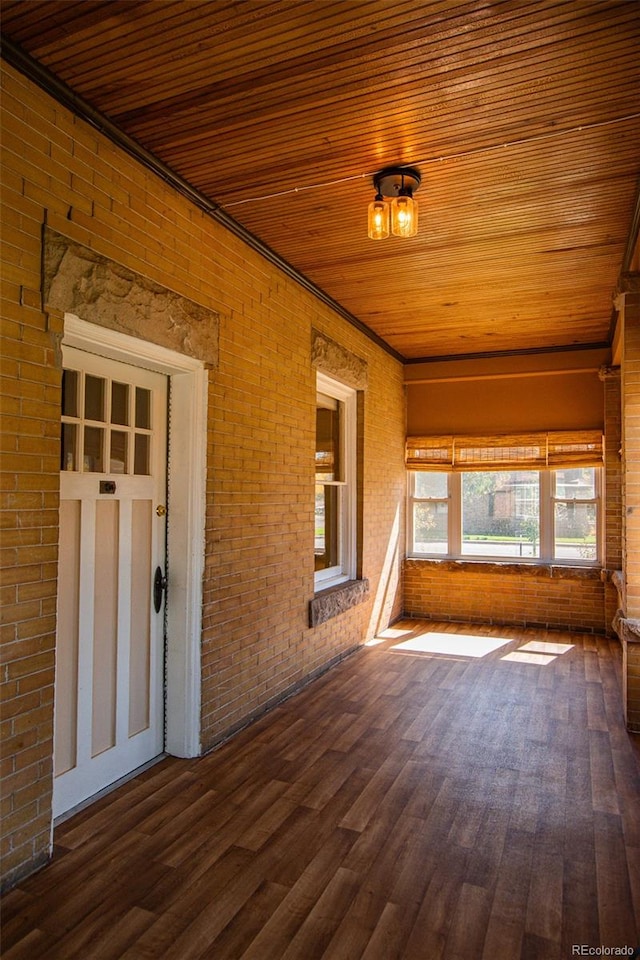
{"x": 430, "y": 527}
{"x": 143, "y": 408}
{"x": 141, "y": 455}
{"x": 501, "y": 513}
{"x": 69, "y": 459}
{"x": 118, "y": 458}
{"x": 94, "y": 398}
{"x": 93, "y": 461}
{"x": 575, "y": 531}
{"x": 120, "y": 403}
{"x": 326, "y": 528}
{"x": 69, "y": 393}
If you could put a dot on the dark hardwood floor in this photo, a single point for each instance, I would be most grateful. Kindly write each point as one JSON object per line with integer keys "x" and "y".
{"x": 454, "y": 791}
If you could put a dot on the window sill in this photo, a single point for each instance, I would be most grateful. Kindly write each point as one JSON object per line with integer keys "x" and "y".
{"x": 547, "y": 571}
{"x": 336, "y": 600}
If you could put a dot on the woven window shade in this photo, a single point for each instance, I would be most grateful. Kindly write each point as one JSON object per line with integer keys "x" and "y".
{"x": 429, "y": 453}
{"x": 575, "y": 449}
{"x": 518, "y": 451}
{"x": 513, "y": 452}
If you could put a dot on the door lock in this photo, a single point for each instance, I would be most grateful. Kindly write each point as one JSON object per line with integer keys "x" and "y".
{"x": 159, "y": 587}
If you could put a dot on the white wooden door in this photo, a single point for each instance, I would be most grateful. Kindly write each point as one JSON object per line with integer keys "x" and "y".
{"x": 109, "y": 710}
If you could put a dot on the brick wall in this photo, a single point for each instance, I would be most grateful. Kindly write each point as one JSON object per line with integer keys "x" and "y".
{"x": 510, "y": 593}
{"x": 256, "y": 643}
{"x": 613, "y": 487}
{"x": 630, "y": 630}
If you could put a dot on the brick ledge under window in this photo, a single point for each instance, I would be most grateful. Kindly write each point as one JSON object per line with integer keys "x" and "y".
{"x": 329, "y": 603}
{"x": 547, "y": 571}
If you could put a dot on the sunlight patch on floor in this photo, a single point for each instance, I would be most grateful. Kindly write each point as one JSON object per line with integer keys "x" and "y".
{"x": 391, "y": 633}
{"x": 540, "y": 659}
{"x": 539, "y": 652}
{"x": 453, "y": 644}
{"x": 543, "y": 646}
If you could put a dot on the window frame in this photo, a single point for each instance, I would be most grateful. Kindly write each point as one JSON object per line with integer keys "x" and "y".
{"x": 345, "y": 569}
{"x": 547, "y": 513}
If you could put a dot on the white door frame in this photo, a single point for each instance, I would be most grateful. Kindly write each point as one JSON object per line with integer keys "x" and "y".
{"x": 185, "y": 516}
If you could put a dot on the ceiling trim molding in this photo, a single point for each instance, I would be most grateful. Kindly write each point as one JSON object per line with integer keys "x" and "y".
{"x": 40, "y": 75}
{"x": 525, "y": 352}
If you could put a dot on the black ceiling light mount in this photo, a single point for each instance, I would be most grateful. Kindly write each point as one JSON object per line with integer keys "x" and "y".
{"x": 391, "y": 181}
{"x": 394, "y": 208}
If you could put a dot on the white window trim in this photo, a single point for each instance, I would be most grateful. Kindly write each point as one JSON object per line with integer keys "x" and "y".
{"x": 346, "y": 567}
{"x": 547, "y": 523}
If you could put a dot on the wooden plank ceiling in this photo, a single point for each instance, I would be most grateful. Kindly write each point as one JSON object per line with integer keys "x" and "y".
{"x": 522, "y": 116}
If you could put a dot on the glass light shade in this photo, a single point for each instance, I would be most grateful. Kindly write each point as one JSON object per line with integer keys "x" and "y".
{"x": 378, "y": 219}
{"x": 404, "y": 216}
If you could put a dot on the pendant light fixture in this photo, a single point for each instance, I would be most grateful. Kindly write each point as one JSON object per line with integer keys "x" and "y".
{"x": 379, "y": 217}
{"x": 394, "y": 203}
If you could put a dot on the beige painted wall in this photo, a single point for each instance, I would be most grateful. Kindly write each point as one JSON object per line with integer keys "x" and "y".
{"x": 551, "y": 392}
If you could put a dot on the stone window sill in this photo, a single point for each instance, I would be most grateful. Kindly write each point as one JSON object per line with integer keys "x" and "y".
{"x": 336, "y": 600}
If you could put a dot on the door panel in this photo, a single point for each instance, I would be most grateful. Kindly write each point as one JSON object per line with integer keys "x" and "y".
{"x": 140, "y": 652}
{"x": 109, "y": 716}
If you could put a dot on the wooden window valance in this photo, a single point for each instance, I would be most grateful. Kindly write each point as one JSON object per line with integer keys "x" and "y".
{"x": 518, "y": 451}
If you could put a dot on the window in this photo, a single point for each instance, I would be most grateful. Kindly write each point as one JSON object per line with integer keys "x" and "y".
{"x": 335, "y": 489}
{"x": 430, "y": 512}
{"x": 524, "y": 515}
{"x": 575, "y": 514}
{"x": 500, "y": 513}
{"x": 106, "y": 425}
{"x": 531, "y": 497}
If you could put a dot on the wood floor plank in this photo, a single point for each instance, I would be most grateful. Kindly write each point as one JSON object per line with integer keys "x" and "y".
{"x": 100, "y": 880}
{"x": 247, "y": 923}
{"x": 376, "y": 790}
{"x": 430, "y": 930}
{"x": 390, "y": 934}
{"x": 324, "y": 918}
{"x": 328, "y": 779}
{"x": 633, "y": 863}
{"x": 104, "y": 935}
{"x": 579, "y": 921}
{"x": 357, "y": 927}
{"x": 416, "y": 863}
{"x": 258, "y": 833}
{"x": 504, "y": 928}
{"x": 194, "y": 915}
{"x": 31, "y": 945}
{"x": 283, "y": 925}
{"x": 411, "y": 804}
{"x": 526, "y": 801}
{"x": 197, "y": 938}
{"x": 615, "y": 896}
{"x": 467, "y": 929}
{"x": 544, "y": 904}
